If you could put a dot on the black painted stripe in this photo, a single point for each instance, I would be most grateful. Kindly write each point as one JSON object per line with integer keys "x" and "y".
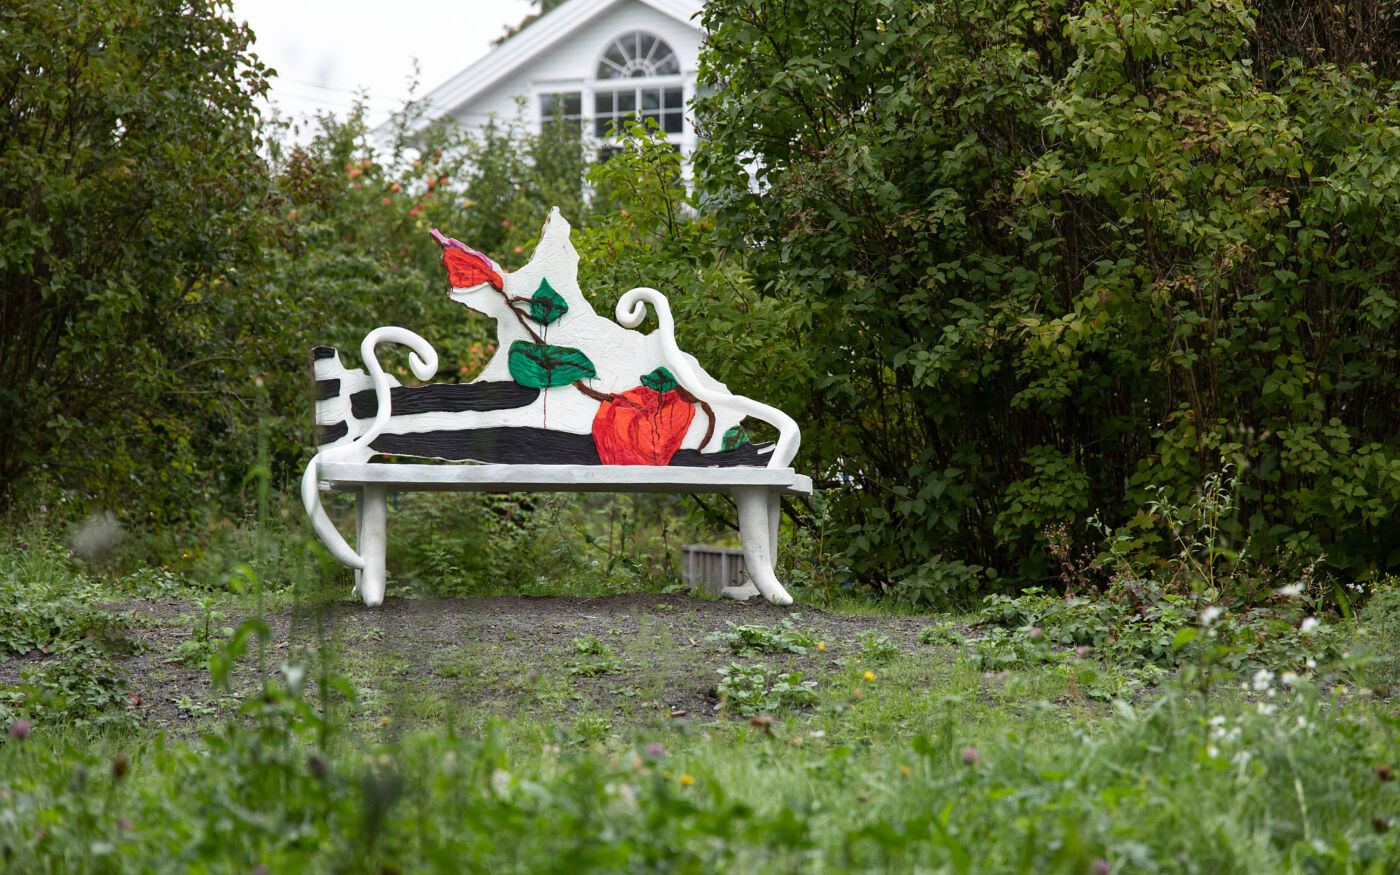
{"x": 742, "y": 456}
{"x": 499, "y": 446}
{"x": 327, "y": 389}
{"x": 446, "y": 398}
{"x": 538, "y": 446}
{"x": 326, "y": 434}
{"x": 322, "y": 352}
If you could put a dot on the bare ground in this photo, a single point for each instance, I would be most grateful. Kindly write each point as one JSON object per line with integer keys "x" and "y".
{"x": 507, "y": 656}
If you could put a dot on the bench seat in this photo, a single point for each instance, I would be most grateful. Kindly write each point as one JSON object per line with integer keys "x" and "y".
{"x": 558, "y": 478}
{"x": 757, "y": 494}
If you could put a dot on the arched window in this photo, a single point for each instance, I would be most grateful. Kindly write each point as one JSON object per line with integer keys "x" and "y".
{"x": 638, "y": 54}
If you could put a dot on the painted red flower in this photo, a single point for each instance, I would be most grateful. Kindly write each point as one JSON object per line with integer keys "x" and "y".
{"x": 466, "y": 267}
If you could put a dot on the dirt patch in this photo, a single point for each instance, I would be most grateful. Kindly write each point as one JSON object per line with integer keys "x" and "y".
{"x": 508, "y": 656}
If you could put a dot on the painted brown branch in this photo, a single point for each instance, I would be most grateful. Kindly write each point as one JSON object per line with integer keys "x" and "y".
{"x": 709, "y": 414}
{"x": 591, "y": 392}
{"x": 520, "y": 317}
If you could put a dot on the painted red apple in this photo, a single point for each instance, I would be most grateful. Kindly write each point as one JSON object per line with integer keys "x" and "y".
{"x": 645, "y": 425}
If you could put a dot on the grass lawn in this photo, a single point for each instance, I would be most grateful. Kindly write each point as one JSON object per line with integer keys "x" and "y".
{"x": 651, "y": 731}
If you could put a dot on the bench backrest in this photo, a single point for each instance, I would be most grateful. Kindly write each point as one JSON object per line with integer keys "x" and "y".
{"x": 565, "y": 385}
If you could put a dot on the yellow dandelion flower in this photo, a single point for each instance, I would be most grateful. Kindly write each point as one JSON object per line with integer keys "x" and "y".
{"x": 687, "y": 780}
{"x": 870, "y": 675}
{"x": 821, "y": 645}
{"x": 904, "y": 770}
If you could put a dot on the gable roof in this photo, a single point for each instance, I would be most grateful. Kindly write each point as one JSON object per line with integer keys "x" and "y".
{"x": 526, "y": 45}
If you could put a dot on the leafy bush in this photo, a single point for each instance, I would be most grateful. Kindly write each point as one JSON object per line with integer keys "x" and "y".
{"x": 1006, "y": 649}
{"x": 1050, "y": 257}
{"x": 133, "y": 198}
{"x": 42, "y": 604}
{"x": 80, "y": 686}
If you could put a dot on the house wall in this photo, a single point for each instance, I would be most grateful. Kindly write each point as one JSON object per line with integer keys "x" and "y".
{"x": 570, "y": 64}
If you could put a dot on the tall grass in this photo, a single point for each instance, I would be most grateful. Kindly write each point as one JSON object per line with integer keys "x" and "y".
{"x": 1301, "y": 785}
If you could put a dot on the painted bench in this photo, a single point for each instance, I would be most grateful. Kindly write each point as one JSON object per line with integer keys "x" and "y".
{"x": 570, "y": 402}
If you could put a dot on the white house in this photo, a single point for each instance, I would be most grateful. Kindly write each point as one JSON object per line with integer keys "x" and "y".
{"x": 604, "y": 61}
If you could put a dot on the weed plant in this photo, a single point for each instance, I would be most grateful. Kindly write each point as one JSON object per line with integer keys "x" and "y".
{"x": 753, "y": 638}
{"x": 750, "y": 690}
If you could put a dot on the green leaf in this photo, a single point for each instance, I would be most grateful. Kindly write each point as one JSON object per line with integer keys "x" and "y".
{"x": 542, "y": 366}
{"x": 546, "y": 307}
{"x": 1184, "y": 636}
{"x": 734, "y": 438}
{"x": 660, "y": 380}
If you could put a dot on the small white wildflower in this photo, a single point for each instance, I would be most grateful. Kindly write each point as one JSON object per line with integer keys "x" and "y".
{"x": 1291, "y": 590}
{"x": 1310, "y": 662}
{"x": 1241, "y": 757}
{"x": 1211, "y": 614}
{"x": 1303, "y": 722}
{"x": 628, "y": 794}
{"x": 1266, "y": 709}
{"x": 1289, "y": 679}
{"x": 1263, "y": 679}
{"x": 1218, "y": 732}
{"x": 1310, "y": 625}
{"x": 1217, "y": 720}
{"x": 1212, "y": 751}
{"x": 500, "y": 781}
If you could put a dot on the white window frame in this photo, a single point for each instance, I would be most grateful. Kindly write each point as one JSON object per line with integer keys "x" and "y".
{"x": 591, "y": 86}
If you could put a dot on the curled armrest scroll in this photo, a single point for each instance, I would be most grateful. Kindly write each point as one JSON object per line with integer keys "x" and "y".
{"x": 632, "y": 309}
{"x": 423, "y": 360}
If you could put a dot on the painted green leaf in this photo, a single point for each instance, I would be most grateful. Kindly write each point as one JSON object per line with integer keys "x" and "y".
{"x": 734, "y": 438}
{"x": 546, "y": 307}
{"x": 541, "y": 366}
{"x": 660, "y": 380}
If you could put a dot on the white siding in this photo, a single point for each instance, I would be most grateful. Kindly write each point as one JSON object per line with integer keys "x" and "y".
{"x": 570, "y": 64}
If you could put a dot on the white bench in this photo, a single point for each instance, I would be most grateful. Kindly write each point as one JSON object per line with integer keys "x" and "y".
{"x": 756, "y": 493}
{"x": 510, "y": 438}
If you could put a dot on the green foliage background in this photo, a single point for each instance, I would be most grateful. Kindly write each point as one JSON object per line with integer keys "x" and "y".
{"x": 1054, "y": 255}
{"x": 133, "y": 204}
{"x": 1022, "y": 271}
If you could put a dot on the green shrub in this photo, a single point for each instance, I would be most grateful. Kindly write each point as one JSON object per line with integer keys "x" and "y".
{"x": 80, "y": 686}
{"x": 1051, "y": 257}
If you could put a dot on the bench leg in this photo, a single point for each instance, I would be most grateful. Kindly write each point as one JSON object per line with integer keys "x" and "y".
{"x": 359, "y": 532}
{"x": 372, "y": 520}
{"x": 759, "y": 535}
{"x": 775, "y": 520}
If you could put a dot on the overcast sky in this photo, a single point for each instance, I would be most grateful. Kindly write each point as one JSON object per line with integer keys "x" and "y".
{"x": 325, "y": 52}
